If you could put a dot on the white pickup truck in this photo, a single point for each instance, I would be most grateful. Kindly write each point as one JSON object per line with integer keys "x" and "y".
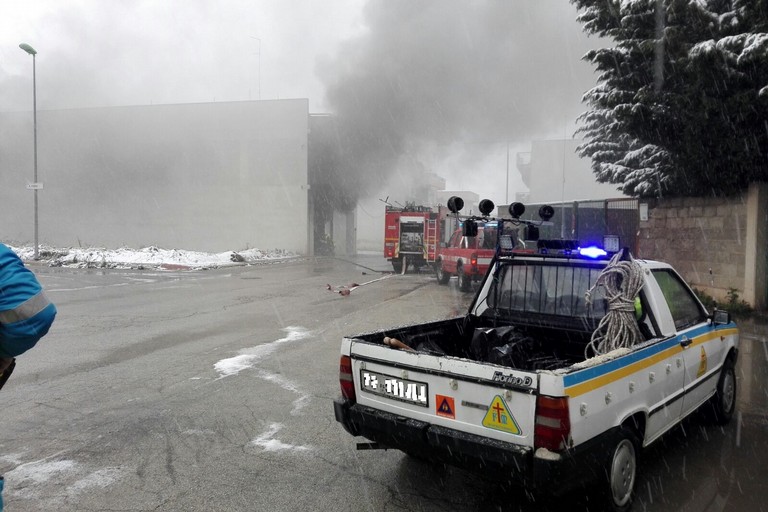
{"x": 564, "y": 368}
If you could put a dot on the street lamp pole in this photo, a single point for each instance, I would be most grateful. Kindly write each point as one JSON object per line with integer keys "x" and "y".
{"x": 259, "y": 70}
{"x": 32, "y": 52}
{"x": 506, "y": 196}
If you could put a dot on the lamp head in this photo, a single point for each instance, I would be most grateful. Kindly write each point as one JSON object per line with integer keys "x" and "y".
{"x": 28, "y": 49}
{"x": 486, "y": 207}
{"x": 516, "y": 210}
{"x": 455, "y": 204}
{"x": 546, "y": 212}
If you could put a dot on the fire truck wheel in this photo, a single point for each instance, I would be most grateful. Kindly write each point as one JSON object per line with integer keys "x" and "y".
{"x": 442, "y": 275}
{"x": 465, "y": 281}
{"x": 398, "y": 266}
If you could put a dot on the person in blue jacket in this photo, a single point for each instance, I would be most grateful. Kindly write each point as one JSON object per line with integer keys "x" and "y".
{"x": 26, "y": 314}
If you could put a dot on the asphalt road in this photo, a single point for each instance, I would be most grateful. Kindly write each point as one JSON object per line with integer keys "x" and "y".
{"x": 211, "y": 390}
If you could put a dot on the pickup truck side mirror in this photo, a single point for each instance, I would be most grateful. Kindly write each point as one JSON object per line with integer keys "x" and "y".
{"x": 720, "y": 317}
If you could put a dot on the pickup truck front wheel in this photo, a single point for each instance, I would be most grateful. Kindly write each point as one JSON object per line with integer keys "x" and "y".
{"x": 442, "y": 275}
{"x": 622, "y": 472}
{"x": 724, "y": 400}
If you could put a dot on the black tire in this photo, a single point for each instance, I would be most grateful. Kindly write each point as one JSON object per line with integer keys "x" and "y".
{"x": 398, "y": 266}
{"x": 621, "y": 472}
{"x": 724, "y": 400}
{"x": 465, "y": 281}
{"x": 442, "y": 276}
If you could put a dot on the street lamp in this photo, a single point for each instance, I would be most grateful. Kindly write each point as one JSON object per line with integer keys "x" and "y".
{"x": 35, "y": 185}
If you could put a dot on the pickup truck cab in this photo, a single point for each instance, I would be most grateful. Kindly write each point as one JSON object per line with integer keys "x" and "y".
{"x": 563, "y": 370}
{"x": 467, "y": 257}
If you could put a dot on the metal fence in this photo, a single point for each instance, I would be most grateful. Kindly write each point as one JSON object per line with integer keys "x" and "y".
{"x": 590, "y": 221}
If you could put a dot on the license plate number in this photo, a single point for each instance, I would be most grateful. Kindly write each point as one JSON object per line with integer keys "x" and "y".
{"x": 396, "y": 388}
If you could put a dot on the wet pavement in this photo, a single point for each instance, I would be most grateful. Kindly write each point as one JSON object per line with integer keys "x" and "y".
{"x": 122, "y": 408}
{"x": 753, "y": 366}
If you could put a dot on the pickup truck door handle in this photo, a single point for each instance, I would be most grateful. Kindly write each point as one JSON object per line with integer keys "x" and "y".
{"x": 685, "y": 341}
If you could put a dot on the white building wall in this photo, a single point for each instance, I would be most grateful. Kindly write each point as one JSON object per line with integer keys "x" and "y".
{"x": 345, "y": 233}
{"x": 370, "y": 225}
{"x": 557, "y": 174}
{"x": 209, "y": 177}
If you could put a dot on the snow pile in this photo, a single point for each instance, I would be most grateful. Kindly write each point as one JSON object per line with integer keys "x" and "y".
{"x": 150, "y": 257}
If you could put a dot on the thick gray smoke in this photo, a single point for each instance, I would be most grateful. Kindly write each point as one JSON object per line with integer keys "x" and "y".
{"x": 434, "y": 78}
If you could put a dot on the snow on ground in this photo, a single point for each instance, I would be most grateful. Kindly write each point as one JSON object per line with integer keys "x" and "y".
{"x": 149, "y": 257}
{"x": 250, "y": 356}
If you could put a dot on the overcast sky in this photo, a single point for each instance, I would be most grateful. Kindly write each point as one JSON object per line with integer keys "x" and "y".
{"x": 475, "y": 73}
{"x": 127, "y": 52}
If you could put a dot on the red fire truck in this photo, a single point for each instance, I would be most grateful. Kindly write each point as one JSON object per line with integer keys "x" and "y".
{"x": 421, "y": 235}
{"x": 410, "y": 236}
{"x": 466, "y": 257}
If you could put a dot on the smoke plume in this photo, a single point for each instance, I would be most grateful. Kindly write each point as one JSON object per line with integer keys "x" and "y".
{"x": 449, "y": 78}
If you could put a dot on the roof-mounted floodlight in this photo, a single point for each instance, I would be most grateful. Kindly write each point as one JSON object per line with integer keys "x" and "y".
{"x": 546, "y": 212}
{"x": 486, "y": 207}
{"x": 455, "y": 203}
{"x": 516, "y": 210}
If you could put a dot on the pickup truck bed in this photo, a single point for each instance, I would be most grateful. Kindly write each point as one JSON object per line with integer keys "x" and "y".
{"x": 532, "y": 347}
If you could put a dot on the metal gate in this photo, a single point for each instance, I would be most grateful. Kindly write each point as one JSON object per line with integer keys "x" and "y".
{"x": 590, "y": 221}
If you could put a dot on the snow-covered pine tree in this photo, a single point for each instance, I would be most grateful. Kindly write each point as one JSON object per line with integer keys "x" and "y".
{"x": 681, "y": 104}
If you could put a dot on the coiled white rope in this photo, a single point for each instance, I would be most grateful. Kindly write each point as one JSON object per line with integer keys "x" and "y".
{"x": 622, "y": 282}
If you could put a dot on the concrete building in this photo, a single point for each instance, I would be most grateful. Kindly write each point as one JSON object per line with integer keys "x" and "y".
{"x": 553, "y": 172}
{"x": 211, "y": 177}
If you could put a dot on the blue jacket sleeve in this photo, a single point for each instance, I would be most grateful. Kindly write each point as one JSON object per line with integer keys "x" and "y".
{"x": 25, "y": 312}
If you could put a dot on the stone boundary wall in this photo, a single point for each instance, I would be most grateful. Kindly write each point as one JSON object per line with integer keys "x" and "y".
{"x": 704, "y": 239}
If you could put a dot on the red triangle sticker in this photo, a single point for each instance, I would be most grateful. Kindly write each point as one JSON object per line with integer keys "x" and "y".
{"x": 445, "y": 407}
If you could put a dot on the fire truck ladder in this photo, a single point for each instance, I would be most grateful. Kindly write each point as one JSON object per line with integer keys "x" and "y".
{"x": 430, "y": 244}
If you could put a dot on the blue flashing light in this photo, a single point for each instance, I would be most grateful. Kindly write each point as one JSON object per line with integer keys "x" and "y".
{"x": 592, "y": 252}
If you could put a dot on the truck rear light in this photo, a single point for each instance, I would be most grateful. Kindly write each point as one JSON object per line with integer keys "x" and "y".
{"x": 345, "y": 378}
{"x": 473, "y": 259}
{"x": 553, "y": 424}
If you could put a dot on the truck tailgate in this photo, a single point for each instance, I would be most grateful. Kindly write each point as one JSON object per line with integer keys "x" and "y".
{"x": 476, "y": 398}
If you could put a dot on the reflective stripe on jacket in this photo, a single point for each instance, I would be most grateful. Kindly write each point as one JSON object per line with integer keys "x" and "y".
{"x": 26, "y": 314}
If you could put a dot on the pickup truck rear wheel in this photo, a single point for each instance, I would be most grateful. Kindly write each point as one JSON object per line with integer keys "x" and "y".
{"x": 442, "y": 275}
{"x": 465, "y": 281}
{"x": 724, "y": 400}
{"x": 622, "y": 472}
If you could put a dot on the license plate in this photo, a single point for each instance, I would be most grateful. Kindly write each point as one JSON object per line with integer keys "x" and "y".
{"x": 404, "y": 390}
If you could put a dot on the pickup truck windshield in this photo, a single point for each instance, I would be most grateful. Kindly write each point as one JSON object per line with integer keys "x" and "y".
{"x": 546, "y": 288}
